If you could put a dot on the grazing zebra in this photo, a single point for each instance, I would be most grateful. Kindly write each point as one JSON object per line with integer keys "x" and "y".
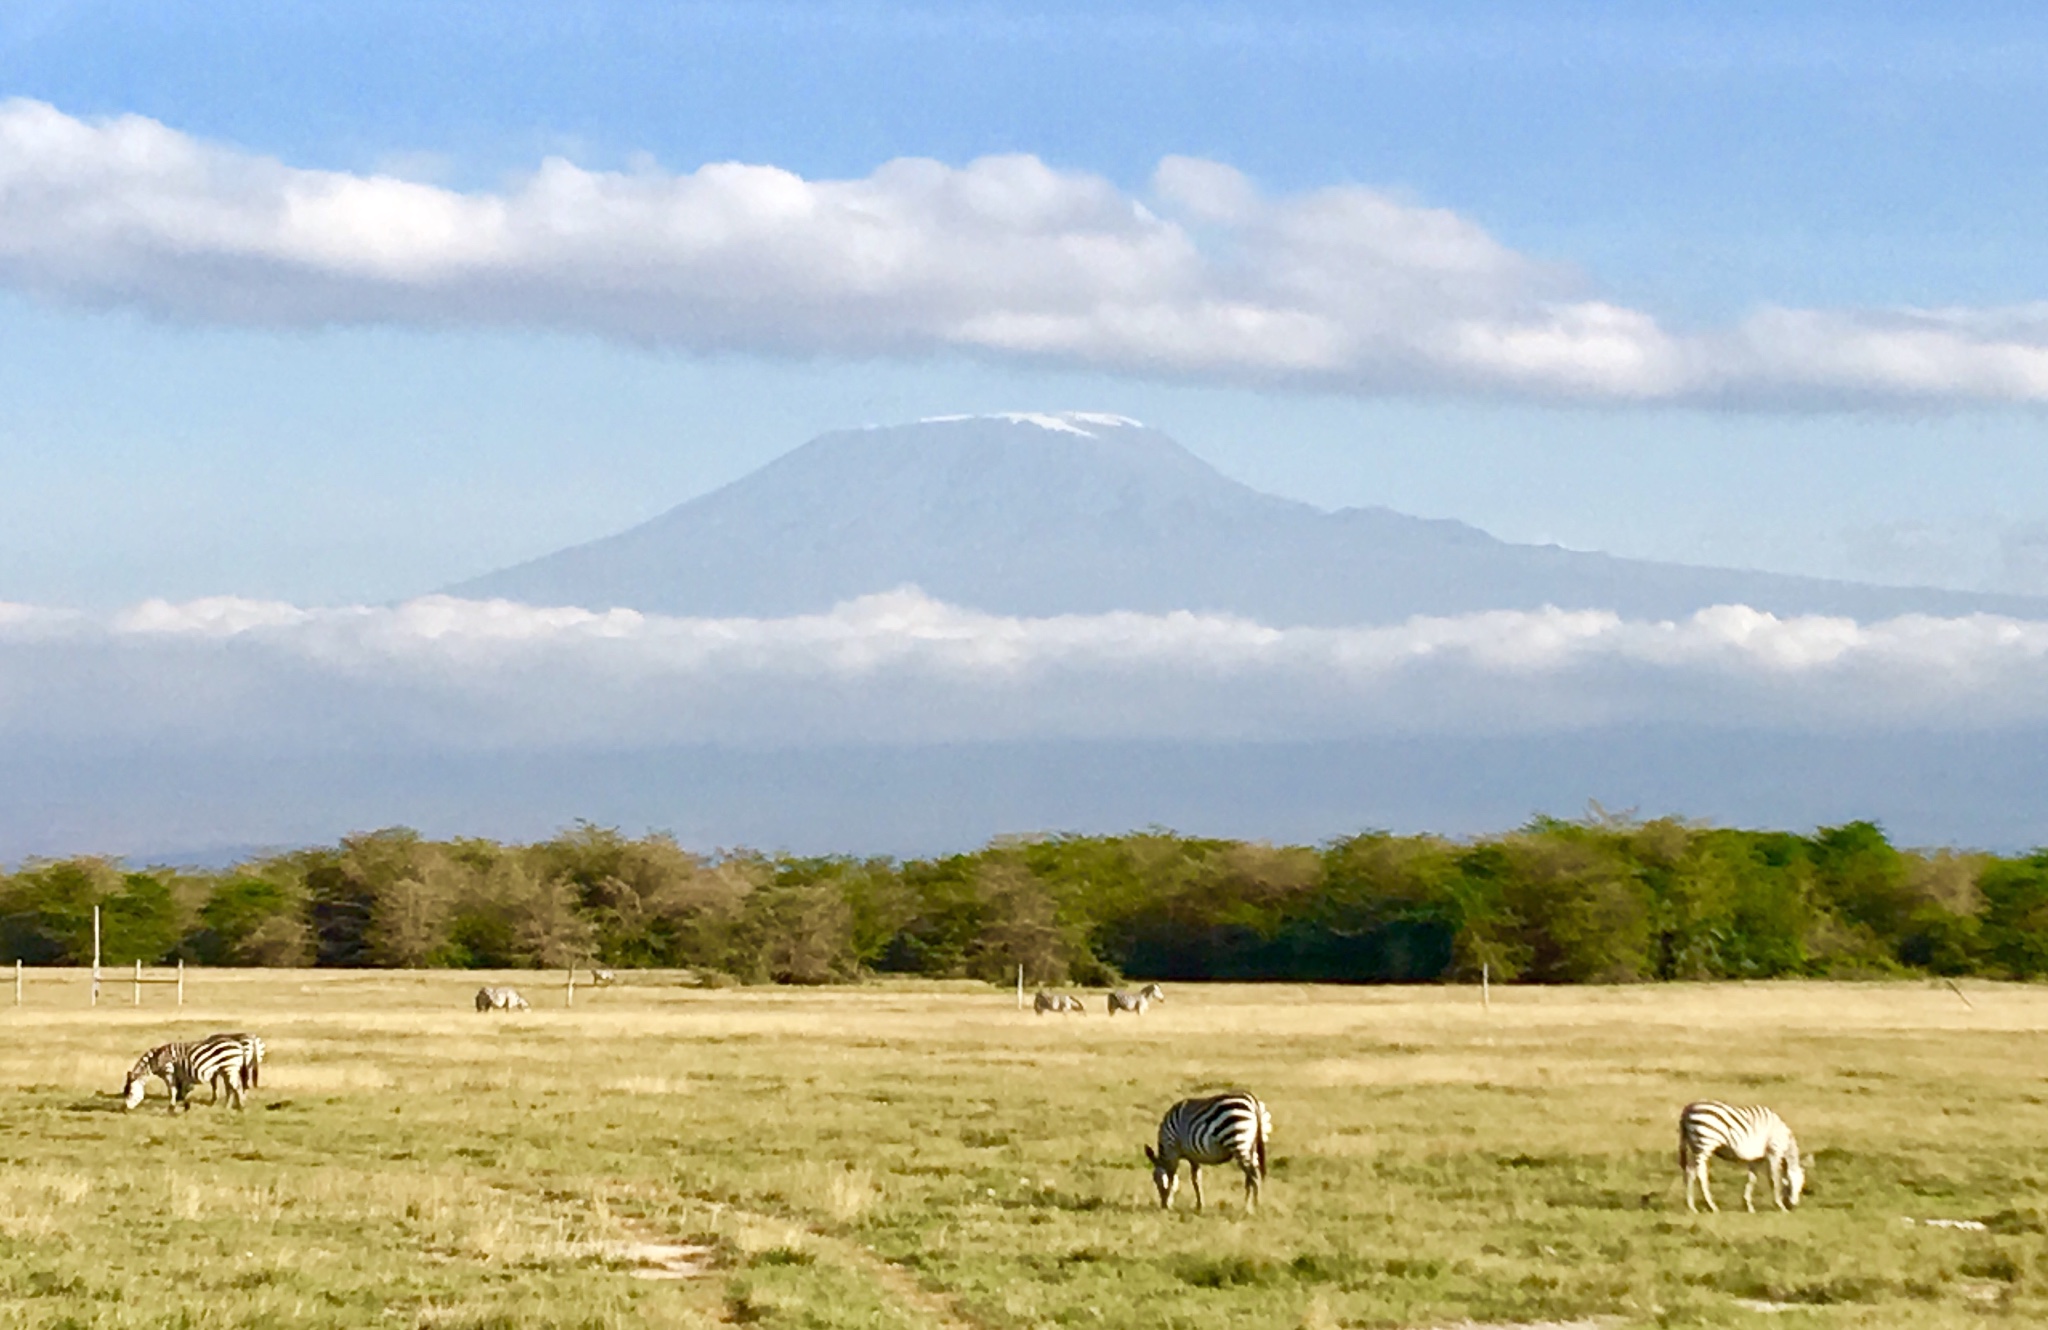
{"x": 1136, "y": 1002}
{"x": 1219, "y": 1129}
{"x": 1754, "y": 1136}
{"x": 602, "y": 978}
{"x": 253, "y": 1053}
{"x": 1060, "y": 1002}
{"x": 500, "y": 999}
{"x": 215, "y": 1060}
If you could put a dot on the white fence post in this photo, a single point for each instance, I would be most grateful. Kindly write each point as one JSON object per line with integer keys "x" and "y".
{"x": 181, "y": 981}
{"x": 95, "y": 955}
{"x": 1485, "y": 986}
{"x": 138, "y": 981}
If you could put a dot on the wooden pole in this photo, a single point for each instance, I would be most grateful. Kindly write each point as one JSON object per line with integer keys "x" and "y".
{"x": 1956, "y": 988}
{"x": 1020, "y": 988}
{"x": 17, "y": 983}
{"x": 1486, "y": 985}
{"x": 572, "y": 985}
{"x": 181, "y": 981}
{"x": 138, "y": 981}
{"x": 95, "y": 955}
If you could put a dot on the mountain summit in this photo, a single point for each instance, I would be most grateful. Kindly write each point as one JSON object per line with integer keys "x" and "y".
{"x": 1079, "y": 513}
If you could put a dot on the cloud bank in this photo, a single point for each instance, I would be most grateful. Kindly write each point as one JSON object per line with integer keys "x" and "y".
{"x": 1345, "y": 288}
{"x": 902, "y": 668}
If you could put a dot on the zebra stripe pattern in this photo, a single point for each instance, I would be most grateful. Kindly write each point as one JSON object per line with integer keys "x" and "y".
{"x": 1754, "y": 1136}
{"x": 500, "y": 999}
{"x": 216, "y": 1060}
{"x": 1136, "y": 1002}
{"x": 1220, "y": 1129}
{"x": 602, "y": 978}
{"x": 1060, "y": 1002}
{"x": 253, "y": 1053}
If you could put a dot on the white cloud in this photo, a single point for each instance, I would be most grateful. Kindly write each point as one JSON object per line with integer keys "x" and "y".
{"x": 904, "y": 668}
{"x": 1344, "y": 287}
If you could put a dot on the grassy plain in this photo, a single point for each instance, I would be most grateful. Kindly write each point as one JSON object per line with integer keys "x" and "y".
{"x": 928, "y": 1155}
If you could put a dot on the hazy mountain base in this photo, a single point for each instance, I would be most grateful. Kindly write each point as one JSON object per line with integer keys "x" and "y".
{"x": 1026, "y": 517}
{"x": 1975, "y": 789}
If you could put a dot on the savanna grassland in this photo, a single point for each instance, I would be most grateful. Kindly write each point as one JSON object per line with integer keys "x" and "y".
{"x": 925, "y": 1154}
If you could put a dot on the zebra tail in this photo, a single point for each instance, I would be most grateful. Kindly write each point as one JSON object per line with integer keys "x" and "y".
{"x": 1260, "y": 1144}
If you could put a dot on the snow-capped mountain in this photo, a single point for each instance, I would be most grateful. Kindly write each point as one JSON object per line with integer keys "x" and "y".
{"x": 1077, "y": 512}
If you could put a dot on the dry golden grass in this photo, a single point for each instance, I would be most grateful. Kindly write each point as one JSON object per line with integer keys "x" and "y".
{"x": 927, "y": 1155}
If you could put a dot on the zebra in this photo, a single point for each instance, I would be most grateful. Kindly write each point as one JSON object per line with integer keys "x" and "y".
{"x": 1136, "y": 1002}
{"x": 602, "y": 978}
{"x": 253, "y": 1053}
{"x": 501, "y": 999}
{"x": 1754, "y": 1136}
{"x": 1060, "y": 1002}
{"x": 1219, "y": 1129}
{"x": 215, "y": 1060}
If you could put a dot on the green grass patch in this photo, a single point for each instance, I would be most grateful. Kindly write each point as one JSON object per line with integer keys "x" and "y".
{"x": 906, "y": 1156}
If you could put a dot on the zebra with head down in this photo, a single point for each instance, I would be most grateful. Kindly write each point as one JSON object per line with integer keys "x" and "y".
{"x": 1752, "y": 1135}
{"x": 1232, "y": 1127}
{"x": 1060, "y": 1002}
{"x": 217, "y": 1060}
{"x": 501, "y": 999}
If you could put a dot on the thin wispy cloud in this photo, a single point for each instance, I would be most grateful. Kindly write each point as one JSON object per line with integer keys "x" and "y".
{"x": 1204, "y": 276}
{"x": 902, "y": 667}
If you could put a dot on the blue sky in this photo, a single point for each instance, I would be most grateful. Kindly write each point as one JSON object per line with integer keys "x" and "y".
{"x": 1690, "y": 170}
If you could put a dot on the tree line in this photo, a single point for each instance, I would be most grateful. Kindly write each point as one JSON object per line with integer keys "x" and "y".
{"x": 1603, "y": 899}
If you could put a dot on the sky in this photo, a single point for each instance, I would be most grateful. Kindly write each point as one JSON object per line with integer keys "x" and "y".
{"x": 309, "y": 310}
{"x": 1762, "y": 289}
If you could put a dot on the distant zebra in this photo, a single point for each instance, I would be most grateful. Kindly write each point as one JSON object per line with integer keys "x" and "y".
{"x": 602, "y": 978}
{"x": 216, "y": 1060}
{"x": 1754, "y": 1136}
{"x": 1060, "y": 1002}
{"x": 1136, "y": 1002}
{"x": 253, "y": 1053}
{"x": 1219, "y": 1129}
{"x": 501, "y": 999}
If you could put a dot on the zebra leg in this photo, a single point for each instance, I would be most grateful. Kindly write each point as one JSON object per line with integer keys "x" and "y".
{"x": 1778, "y": 1180}
{"x": 1749, "y": 1190}
{"x": 1706, "y": 1188}
{"x": 1251, "y": 1186}
{"x": 1195, "y": 1176}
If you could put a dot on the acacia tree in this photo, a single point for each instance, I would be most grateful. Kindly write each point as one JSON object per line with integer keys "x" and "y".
{"x": 1019, "y": 926}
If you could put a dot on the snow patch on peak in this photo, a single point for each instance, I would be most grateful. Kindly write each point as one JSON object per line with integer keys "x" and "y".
{"x": 1060, "y": 422}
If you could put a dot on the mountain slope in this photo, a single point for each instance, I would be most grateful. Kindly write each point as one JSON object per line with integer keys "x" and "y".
{"x": 1079, "y": 513}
